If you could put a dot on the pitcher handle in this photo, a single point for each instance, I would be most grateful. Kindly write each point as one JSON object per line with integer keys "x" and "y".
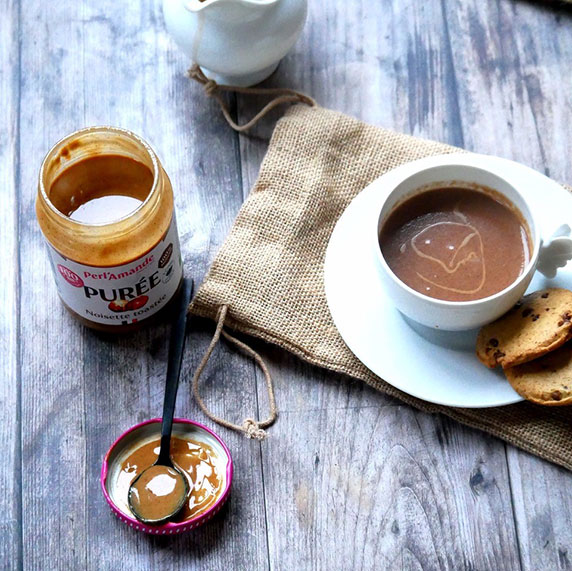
{"x": 555, "y": 252}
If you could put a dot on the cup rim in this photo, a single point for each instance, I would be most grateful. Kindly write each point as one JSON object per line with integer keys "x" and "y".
{"x": 442, "y": 303}
{"x": 168, "y": 528}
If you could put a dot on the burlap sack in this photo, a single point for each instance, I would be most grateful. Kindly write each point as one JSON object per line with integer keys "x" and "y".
{"x": 268, "y": 274}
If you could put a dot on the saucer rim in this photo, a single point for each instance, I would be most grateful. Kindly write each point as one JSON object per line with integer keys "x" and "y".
{"x": 492, "y": 163}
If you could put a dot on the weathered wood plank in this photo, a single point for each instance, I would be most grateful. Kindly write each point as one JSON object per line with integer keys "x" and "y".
{"x": 540, "y": 490}
{"x": 113, "y": 64}
{"x": 544, "y": 42}
{"x": 542, "y": 504}
{"x": 373, "y": 484}
{"x": 54, "y": 408}
{"x": 514, "y": 92}
{"x": 10, "y": 469}
{"x": 503, "y": 52}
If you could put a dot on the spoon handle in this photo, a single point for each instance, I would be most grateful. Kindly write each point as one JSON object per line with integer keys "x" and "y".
{"x": 176, "y": 346}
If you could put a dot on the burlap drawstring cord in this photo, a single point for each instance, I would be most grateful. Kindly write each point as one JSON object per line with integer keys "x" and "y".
{"x": 250, "y": 427}
{"x": 280, "y": 96}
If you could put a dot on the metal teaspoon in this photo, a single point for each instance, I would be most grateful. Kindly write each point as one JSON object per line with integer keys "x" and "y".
{"x": 160, "y": 491}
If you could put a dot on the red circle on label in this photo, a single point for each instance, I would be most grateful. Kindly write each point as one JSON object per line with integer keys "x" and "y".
{"x": 71, "y": 277}
{"x": 137, "y": 303}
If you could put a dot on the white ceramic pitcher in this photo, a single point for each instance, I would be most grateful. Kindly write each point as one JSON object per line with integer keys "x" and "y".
{"x": 236, "y": 42}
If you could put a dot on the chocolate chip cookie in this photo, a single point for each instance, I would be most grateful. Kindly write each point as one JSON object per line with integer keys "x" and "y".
{"x": 546, "y": 381}
{"x": 539, "y": 323}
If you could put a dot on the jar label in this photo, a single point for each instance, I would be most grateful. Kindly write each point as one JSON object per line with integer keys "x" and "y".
{"x": 121, "y": 295}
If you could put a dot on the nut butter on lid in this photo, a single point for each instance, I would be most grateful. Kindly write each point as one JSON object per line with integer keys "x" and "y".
{"x": 105, "y": 207}
{"x": 198, "y": 452}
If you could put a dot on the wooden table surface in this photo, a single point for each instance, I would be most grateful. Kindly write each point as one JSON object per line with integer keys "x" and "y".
{"x": 349, "y": 478}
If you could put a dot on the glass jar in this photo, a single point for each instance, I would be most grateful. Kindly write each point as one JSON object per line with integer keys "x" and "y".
{"x": 113, "y": 272}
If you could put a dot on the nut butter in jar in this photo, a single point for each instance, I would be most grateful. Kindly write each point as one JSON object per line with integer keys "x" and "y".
{"x": 105, "y": 207}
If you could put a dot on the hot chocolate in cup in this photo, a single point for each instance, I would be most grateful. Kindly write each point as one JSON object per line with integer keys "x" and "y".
{"x": 456, "y": 246}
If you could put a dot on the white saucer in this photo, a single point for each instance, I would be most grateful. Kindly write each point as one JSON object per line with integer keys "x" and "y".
{"x": 436, "y": 366}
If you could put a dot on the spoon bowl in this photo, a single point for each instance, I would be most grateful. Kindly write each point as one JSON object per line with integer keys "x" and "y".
{"x": 158, "y": 494}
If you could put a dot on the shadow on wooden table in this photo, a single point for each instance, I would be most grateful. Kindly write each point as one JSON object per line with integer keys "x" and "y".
{"x": 198, "y": 542}
{"x": 557, "y": 6}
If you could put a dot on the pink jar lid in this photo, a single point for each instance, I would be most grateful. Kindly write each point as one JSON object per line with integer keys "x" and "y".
{"x": 142, "y": 433}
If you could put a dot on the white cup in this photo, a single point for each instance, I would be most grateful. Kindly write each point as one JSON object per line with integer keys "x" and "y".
{"x": 462, "y": 315}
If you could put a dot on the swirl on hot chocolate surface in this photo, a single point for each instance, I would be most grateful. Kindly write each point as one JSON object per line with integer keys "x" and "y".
{"x": 456, "y": 244}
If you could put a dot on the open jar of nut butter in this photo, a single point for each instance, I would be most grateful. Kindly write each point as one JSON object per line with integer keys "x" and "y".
{"x": 105, "y": 207}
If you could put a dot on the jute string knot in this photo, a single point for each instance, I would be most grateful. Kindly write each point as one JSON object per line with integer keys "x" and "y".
{"x": 253, "y": 430}
{"x": 279, "y": 95}
{"x": 250, "y": 428}
{"x": 210, "y": 86}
